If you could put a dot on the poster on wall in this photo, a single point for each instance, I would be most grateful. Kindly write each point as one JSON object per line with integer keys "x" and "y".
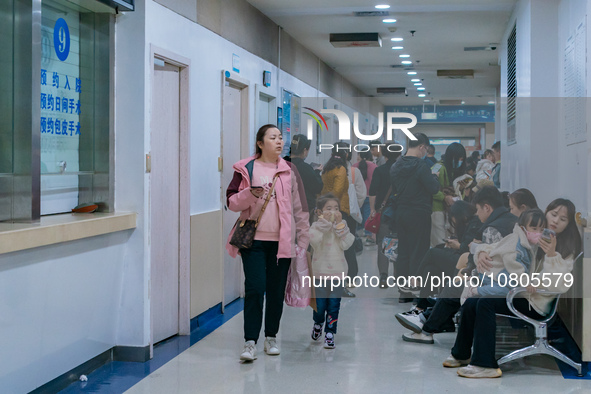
{"x": 286, "y": 124}
{"x": 60, "y": 109}
{"x": 575, "y": 82}
{"x": 280, "y": 118}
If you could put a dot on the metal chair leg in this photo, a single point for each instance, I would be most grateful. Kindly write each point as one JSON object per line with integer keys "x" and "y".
{"x": 552, "y": 351}
{"x": 520, "y": 353}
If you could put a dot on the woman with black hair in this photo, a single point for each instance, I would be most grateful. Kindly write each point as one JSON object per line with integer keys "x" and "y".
{"x": 366, "y": 167}
{"x": 475, "y": 342}
{"x": 380, "y": 197}
{"x": 451, "y": 167}
{"x": 336, "y": 181}
{"x": 442, "y": 260}
{"x": 311, "y": 179}
{"x": 521, "y": 200}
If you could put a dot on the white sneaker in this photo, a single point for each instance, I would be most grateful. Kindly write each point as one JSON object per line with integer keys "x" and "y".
{"x": 452, "y": 362}
{"x": 249, "y": 352}
{"x": 418, "y": 338}
{"x": 472, "y": 371}
{"x": 411, "y": 321}
{"x": 271, "y": 347}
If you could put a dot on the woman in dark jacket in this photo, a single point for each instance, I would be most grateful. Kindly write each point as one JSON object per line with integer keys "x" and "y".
{"x": 311, "y": 178}
{"x": 442, "y": 259}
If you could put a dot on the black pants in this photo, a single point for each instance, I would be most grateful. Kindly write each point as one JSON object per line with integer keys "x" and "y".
{"x": 350, "y": 254}
{"x": 263, "y": 273}
{"x": 478, "y": 328}
{"x": 414, "y": 233}
{"x": 441, "y": 315}
{"x": 438, "y": 261}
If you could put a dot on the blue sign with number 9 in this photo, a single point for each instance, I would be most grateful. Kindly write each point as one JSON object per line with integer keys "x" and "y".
{"x": 61, "y": 39}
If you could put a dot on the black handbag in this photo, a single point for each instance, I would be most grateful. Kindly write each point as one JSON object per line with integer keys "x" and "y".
{"x": 245, "y": 230}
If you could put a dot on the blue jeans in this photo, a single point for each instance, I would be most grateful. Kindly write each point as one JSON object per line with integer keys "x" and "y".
{"x": 328, "y": 305}
{"x": 365, "y": 211}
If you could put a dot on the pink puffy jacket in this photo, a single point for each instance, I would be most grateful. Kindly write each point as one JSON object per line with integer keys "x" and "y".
{"x": 293, "y": 210}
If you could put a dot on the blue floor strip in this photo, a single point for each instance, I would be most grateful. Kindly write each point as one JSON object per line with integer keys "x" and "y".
{"x": 118, "y": 376}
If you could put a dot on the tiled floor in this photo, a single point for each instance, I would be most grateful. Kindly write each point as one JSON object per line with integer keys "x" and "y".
{"x": 370, "y": 357}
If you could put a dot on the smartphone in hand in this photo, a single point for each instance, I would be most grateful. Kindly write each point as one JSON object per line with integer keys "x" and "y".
{"x": 436, "y": 167}
{"x": 547, "y": 233}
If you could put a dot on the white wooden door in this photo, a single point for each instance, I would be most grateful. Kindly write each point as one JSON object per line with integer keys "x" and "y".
{"x": 164, "y": 202}
{"x": 231, "y": 129}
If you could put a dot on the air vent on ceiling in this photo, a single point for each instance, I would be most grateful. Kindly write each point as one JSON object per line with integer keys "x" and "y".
{"x": 391, "y": 90}
{"x": 397, "y": 66}
{"x": 392, "y": 29}
{"x": 352, "y": 40}
{"x": 372, "y": 13}
{"x": 450, "y": 102}
{"x": 455, "y": 74}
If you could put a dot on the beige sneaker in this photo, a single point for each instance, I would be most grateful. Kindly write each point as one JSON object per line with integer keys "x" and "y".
{"x": 472, "y": 371}
{"x": 418, "y": 338}
{"x": 451, "y": 362}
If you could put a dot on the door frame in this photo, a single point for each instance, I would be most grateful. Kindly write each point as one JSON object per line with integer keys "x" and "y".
{"x": 244, "y": 85}
{"x": 184, "y": 65}
{"x": 260, "y": 90}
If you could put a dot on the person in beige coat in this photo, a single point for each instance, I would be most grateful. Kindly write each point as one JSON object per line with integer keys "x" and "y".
{"x": 475, "y": 342}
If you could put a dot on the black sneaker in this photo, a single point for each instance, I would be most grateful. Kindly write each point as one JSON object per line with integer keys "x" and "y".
{"x": 413, "y": 311}
{"x": 383, "y": 283}
{"x": 316, "y": 331}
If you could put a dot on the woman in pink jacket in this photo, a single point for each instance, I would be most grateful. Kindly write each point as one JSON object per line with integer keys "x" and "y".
{"x": 283, "y": 223}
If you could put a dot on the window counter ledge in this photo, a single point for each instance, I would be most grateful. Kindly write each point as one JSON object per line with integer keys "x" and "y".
{"x": 55, "y": 229}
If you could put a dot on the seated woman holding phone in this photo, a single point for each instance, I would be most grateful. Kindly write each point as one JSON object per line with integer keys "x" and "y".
{"x": 558, "y": 246}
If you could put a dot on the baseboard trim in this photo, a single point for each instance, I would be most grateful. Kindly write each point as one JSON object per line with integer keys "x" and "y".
{"x": 205, "y": 317}
{"x": 64, "y": 380}
{"x": 131, "y": 354}
{"x": 117, "y": 353}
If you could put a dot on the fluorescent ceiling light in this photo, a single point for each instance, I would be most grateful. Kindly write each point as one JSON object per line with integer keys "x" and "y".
{"x": 415, "y": 80}
{"x": 426, "y": 100}
{"x": 397, "y": 39}
{"x": 491, "y": 102}
{"x": 412, "y": 73}
{"x": 403, "y": 55}
{"x": 418, "y": 84}
{"x": 463, "y": 102}
{"x": 406, "y": 62}
{"x": 397, "y": 48}
{"x": 389, "y": 20}
{"x": 422, "y": 95}
{"x": 420, "y": 88}
{"x": 382, "y": 6}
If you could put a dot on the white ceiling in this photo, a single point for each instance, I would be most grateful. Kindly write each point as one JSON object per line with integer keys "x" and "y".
{"x": 443, "y": 28}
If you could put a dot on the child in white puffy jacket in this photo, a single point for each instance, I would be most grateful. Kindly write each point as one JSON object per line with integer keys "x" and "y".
{"x": 329, "y": 237}
{"x": 485, "y": 166}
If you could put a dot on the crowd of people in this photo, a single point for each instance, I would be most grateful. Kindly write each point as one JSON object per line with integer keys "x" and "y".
{"x": 448, "y": 215}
